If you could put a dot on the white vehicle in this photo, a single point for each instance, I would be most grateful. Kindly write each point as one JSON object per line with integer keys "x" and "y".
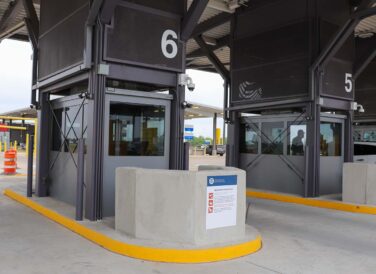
{"x": 365, "y": 152}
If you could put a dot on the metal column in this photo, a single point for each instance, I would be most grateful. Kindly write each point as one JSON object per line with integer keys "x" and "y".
{"x": 177, "y": 129}
{"x": 214, "y": 151}
{"x": 41, "y": 186}
{"x": 30, "y": 157}
{"x": 349, "y": 141}
{"x": 80, "y": 180}
{"x": 232, "y": 148}
{"x": 312, "y": 170}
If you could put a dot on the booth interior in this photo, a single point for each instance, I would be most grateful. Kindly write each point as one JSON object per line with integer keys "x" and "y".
{"x": 109, "y": 80}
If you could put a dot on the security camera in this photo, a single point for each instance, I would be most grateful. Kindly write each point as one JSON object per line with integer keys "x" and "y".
{"x": 360, "y": 108}
{"x": 191, "y": 86}
{"x": 185, "y": 80}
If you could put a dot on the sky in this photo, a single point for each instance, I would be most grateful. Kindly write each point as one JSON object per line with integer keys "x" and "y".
{"x": 15, "y": 85}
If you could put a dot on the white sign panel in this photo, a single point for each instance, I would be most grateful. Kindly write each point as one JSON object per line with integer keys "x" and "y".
{"x": 221, "y": 201}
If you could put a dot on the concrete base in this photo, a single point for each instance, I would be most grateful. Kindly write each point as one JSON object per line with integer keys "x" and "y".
{"x": 359, "y": 183}
{"x": 168, "y": 205}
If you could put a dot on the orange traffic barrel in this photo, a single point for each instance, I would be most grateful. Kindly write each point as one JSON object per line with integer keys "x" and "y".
{"x": 10, "y": 162}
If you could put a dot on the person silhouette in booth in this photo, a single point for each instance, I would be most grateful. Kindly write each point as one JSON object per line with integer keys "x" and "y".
{"x": 297, "y": 146}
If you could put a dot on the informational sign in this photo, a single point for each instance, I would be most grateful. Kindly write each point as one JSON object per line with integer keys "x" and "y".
{"x": 188, "y": 132}
{"x": 221, "y": 201}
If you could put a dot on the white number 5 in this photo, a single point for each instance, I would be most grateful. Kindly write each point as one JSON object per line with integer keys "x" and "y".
{"x": 348, "y": 82}
{"x": 167, "y": 41}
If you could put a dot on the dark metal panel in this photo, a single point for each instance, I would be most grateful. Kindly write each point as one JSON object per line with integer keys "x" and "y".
{"x": 108, "y": 10}
{"x": 142, "y": 75}
{"x": 263, "y": 16}
{"x": 54, "y": 12}
{"x": 145, "y": 37}
{"x": 63, "y": 46}
{"x": 332, "y": 103}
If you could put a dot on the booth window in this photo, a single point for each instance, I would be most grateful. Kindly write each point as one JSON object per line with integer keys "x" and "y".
{"x": 357, "y": 135}
{"x": 297, "y": 140}
{"x": 249, "y": 139}
{"x": 272, "y": 138}
{"x": 330, "y": 139}
{"x": 136, "y": 130}
{"x": 57, "y": 137}
{"x": 73, "y": 127}
{"x": 369, "y": 136}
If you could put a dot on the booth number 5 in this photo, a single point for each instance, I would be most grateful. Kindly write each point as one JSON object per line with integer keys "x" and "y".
{"x": 348, "y": 82}
{"x": 168, "y": 45}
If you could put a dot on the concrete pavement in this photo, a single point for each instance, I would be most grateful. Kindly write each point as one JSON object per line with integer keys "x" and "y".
{"x": 296, "y": 239}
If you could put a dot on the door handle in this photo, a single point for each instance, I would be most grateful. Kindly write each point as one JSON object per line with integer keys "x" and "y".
{"x": 360, "y": 160}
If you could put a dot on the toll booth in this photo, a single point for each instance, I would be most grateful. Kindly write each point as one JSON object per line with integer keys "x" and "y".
{"x": 288, "y": 83}
{"x": 116, "y": 81}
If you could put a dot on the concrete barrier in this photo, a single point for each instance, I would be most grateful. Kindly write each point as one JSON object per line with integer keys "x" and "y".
{"x": 359, "y": 183}
{"x": 202, "y": 207}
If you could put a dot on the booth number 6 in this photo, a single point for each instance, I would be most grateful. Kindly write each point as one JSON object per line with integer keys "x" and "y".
{"x": 168, "y": 45}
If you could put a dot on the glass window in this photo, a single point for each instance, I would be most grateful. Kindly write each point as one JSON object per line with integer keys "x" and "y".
{"x": 136, "y": 130}
{"x": 57, "y": 136}
{"x": 297, "y": 140}
{"x": 249, "y": 139}
{"x": 357, "y": 135}
{"x": 370, "y": 135}
{"x": 73, "y": 127}
{"x": 330, "y": 139}
{"x": 272, "y": 138}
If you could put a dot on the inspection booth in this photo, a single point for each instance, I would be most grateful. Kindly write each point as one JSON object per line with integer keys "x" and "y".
{"x": 291, "y": 101}
{"x": 112, "y": 74}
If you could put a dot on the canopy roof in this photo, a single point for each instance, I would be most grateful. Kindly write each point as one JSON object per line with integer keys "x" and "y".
{"x": 214, "y": 26}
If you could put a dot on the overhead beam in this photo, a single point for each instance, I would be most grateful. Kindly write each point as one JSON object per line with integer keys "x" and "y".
{"x": 365, "y": 54}
{"x": 191, "y": 18}
{"x": 32, "y": 22}
{"x": 211, "y": 23}
{"x": 19, "y": 37}
{"x": 10, "y": 14}
{"x": 221, "y": 42}
{"x": 221, "y": 69}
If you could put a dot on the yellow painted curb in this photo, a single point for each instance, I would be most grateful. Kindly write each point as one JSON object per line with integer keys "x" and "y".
{"x": 142, "y": 252}
{"x": 313, "y": 202}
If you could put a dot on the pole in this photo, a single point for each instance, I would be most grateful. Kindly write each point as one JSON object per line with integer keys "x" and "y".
{"x": 80, "y": 180}
{"x": 30, "y": 166}
{"x": 186, "y": 156}
{"x": 214, "y": 149}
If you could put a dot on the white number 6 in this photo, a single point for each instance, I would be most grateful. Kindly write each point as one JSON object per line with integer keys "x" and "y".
{"x": 169, "y": 42}
{"x": 348, "y": 82}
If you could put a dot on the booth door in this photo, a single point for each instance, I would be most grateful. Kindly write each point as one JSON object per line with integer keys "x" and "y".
{"x": 137, "y": 131}
{"x": 331, "y": 155}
